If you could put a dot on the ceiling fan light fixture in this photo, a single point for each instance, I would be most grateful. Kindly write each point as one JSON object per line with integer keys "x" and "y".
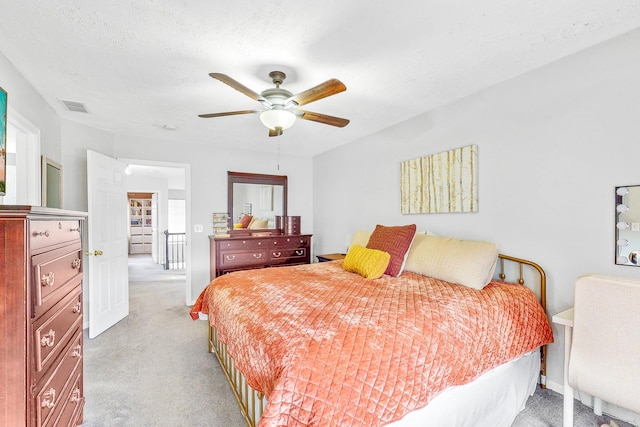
{"x": 276, "y": 118}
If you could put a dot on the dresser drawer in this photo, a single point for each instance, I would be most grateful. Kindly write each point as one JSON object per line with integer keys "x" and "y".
{"x": 288, "y": 256}
{"x": 242, "y": 245}
{"x": 53, "y": 273}
{"x": 72, "y": 351}
{"x": 239, "y": 259}
{"x": 57, "y": 390}
{"x": 51, "y": 334}
{"x": 73, "y": 404}
{"x": 289, "y": 242}
{"x": 49, "y": 232}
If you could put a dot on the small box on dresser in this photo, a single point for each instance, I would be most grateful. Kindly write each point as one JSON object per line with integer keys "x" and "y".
{"x": 41, "y": 360}
{"x": 288, "y": 224}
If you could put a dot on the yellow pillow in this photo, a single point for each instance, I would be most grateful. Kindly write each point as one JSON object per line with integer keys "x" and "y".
{"x": 369, "y": 263}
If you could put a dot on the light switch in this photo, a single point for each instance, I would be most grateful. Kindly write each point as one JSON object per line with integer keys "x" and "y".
{"x": 635, "y": 226}
{"x": 198, "y": 228}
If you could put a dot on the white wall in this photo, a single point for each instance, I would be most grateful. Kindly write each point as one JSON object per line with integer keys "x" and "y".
{"x": 23, "y": 98}
{"x": 209, "y": 166}
{"x": 552, "y": 145}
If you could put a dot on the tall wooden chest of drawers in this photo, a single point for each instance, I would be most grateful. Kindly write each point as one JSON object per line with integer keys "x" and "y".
{"x": 41, "y": 317}
{"x": 246, "y": 252}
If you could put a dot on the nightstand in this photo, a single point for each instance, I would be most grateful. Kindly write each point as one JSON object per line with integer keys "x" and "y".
{"x": 566, "y": 318}
{"x": 330, "y": 257}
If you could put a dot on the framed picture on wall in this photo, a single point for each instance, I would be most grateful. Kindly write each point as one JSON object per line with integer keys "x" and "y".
{"x": 3, "y": 141}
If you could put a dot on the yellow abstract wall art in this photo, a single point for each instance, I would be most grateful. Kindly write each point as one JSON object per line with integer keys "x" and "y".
{"x": 440, "y": 183}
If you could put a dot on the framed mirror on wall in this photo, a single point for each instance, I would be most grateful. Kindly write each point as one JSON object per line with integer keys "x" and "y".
{"x": 258, "y": 196}
{"x": 627, "y": 225}
{"x": 51, "y": 183}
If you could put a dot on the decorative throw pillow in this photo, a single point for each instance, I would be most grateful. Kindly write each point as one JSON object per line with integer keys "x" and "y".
{"x": 395, "y": 241}
{"x": 369, "y": 263}
{"x": 360, "y": 237}
{"x": 245, "y": 220}
{"x": 258, "y": 223}
{"x": 466, "y": 262}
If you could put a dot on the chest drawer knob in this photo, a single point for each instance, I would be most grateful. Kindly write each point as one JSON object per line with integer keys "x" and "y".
{"x": 229, "y": 257}
{"x": 74, "y": 229}
{"x": 77, "y": 307}
{"x": 75, "y": 396}
{"x": 49, "y": 398}
{"x": 276, "y": 254}
{"x": 76, "y": 263}
{"x": 48, "y": 339}
{"x": 48, "y": 279}
{"x": 41, "y": 233}
{"x": 77, "y": 351}
{"x": 257, "y": 256}
{"x": 300, "y": 252}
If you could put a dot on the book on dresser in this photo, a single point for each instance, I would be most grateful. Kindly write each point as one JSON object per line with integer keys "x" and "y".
{"x": 41, "y": 316}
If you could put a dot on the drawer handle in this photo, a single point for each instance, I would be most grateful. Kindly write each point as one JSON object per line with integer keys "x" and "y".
{"x": 77, "y": 351}
{"x": 74, "y": 229}
{"x": 77, "y": 307}
{"x": 49, "y": 398}
{"x": 257, "y": 256}
{"x": 277, "y": 254}
{"x": 76, "y": 263}
{"x": 49, "y": 339}
{"x": 75, "y": 396}
{"x": 229, "y": 257}
{"x": 41, "y": 233}
{"x": 300, "y": 252}
{"x": 48, "y": 279}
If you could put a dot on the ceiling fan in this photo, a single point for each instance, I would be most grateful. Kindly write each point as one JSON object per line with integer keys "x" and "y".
{"x": 280, "y": 106}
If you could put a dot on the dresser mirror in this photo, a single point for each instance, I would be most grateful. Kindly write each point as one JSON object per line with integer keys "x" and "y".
{"x": 627, "y": 225}
{"x": 263, "y": 197}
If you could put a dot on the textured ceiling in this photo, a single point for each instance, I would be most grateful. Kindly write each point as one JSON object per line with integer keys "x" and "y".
{"x": 141, "y": 67}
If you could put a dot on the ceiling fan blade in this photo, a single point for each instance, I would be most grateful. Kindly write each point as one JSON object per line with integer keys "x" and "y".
{"x": 228, "y": 113}
{"x": 328, "y": 88}
{"x": 323, "y": 118}
{"x": 239, "y": 87}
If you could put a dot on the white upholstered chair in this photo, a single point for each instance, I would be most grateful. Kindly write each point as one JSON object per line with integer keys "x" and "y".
{"x": 605, "y": 352}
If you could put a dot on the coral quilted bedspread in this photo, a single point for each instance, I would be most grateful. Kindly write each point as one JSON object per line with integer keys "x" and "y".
{"x": 329, "y": 348}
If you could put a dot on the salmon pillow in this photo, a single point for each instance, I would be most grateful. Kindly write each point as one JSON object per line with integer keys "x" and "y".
{"x": 395, "y": 241}
{"x": 245, "y": 220}
{"x": 369, "y": 263}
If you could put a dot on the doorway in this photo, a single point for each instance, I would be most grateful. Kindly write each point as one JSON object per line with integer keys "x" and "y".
{"x": 169, "y": 184}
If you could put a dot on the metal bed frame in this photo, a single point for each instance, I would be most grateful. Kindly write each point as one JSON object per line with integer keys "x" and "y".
{"x": 252, "y": 402}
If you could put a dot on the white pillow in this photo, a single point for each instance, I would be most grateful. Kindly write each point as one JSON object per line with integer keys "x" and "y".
{"x": 466, "y": 262}
{"x": 257, "y": 223}
{"x": 360, "y": 237}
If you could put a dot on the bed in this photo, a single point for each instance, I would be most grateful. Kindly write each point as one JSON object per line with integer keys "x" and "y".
{"x": 317, "y": 345}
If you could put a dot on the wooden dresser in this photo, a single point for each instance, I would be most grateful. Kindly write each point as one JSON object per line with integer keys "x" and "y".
{"x": 249, "y": 252}
{"x": 41, "y": 316}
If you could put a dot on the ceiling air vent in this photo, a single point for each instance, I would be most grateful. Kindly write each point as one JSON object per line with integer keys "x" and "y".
{"x": 77, "y": 107}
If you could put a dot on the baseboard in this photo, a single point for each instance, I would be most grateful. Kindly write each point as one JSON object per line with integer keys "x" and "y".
{"x": 607, "y": 408}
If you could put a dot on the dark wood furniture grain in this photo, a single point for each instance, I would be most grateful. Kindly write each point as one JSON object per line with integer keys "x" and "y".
{"x": 41, "y": 317}
{"x": 330, "y": 257}
{"x": 248, "y": 252}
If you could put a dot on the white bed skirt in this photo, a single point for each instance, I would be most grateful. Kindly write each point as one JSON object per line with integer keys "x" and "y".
{"x": 492, "y": 400}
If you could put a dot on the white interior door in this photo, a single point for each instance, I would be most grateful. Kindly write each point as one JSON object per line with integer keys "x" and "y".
{"x": 107, "y": 243}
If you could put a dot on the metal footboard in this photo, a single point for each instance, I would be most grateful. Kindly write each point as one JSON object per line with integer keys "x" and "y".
{"x": 251, "y": 401}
